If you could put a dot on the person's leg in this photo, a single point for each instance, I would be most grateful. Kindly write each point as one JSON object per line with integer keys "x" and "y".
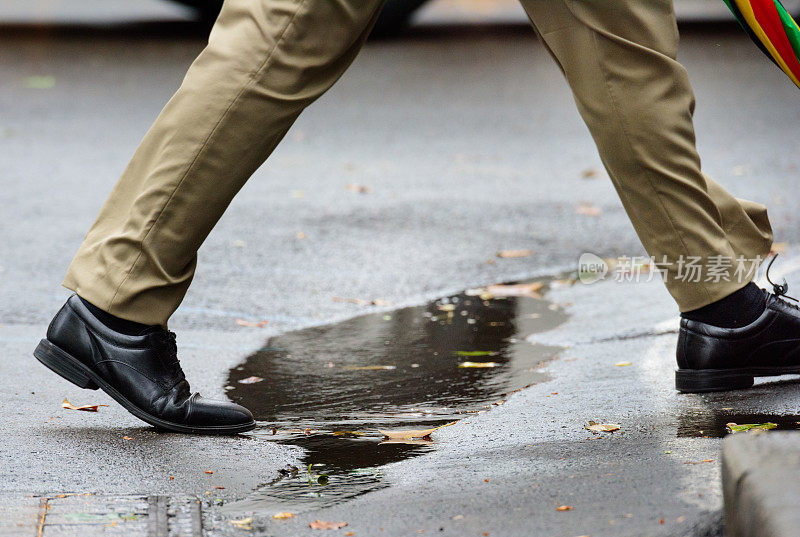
{"x": 266, "y": 60}
{"x": 619, "y": 59}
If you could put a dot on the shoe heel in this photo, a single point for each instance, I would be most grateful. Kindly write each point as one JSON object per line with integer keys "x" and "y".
{"x": 711, "y": 380}
{"x": 62, "y": 363}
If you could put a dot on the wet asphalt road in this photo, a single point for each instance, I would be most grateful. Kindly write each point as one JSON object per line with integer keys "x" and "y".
{"x": 469, "y": 143}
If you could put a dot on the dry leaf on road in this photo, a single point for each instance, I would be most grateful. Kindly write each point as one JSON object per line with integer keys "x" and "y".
{"x": 532, "y": 290}
{"x": 285, "y": 514}
{"x": 86, "y": 408}
{"x": 506, "y": 254}
{"x": 602, "y": 427}
{"x": 623, "y": 364}
{"x": 587, "y": 209}
{"x": 357, "y": 188}
{"x": 564, "y": 508}
{"x": 323, "y": 525}
{"x": 252, "y": 324}
{"x": 408, "y": 435}
{"x": 251, "y": 380}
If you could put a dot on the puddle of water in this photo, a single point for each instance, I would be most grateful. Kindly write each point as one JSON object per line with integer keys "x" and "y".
{"x": 400, "y": 370}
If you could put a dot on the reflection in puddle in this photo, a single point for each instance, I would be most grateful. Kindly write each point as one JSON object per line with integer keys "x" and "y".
{"x": 715, "y": 425}
{"x": 328, "y": 389}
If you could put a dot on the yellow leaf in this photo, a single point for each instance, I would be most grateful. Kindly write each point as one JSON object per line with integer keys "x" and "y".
{"x": 622, "y": 364}
{"x": 252, "y": 324}
{"x": 323, "y": 525}
{"x": 505, "y": 254}
{"x": 284, "y": 514}
{"x": 408, "y": 435}
{"x": 564, "y": 508}
{"x": 532, "y": 290}
{"x": 602, "y": 427}
{"x": 86, "y": 408}
{"x": 478, "y": 365}
{"x": 587, "y": 209}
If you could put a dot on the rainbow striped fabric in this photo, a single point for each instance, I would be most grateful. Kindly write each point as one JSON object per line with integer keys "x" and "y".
{"x": 774, "y": 31}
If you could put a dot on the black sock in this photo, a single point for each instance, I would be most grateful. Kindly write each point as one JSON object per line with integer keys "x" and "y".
{"x": 116, "y": 324}
{"x": 734, "y": 311}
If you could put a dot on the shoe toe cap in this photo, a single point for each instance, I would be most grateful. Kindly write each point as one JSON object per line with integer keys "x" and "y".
{"x": 213, "y": 413}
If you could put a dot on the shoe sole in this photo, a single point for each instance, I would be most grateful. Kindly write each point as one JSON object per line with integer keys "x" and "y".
{"x": 720, "y": 380}
{"x": 72, "y": 369}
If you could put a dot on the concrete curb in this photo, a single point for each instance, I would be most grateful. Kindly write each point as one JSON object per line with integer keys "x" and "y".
{"x": 761, "y": 484}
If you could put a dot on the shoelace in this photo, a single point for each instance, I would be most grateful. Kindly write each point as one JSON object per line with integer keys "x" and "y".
{"x": 779, "y": 290}
{"x": 170, "y": 340}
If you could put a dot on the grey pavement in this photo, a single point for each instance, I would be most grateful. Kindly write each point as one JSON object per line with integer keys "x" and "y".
{"x": 470, "y": 144}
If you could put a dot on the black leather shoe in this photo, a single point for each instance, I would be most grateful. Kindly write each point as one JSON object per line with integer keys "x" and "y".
{"x": 141, "y": 372}
{"x": 716, "y": 359}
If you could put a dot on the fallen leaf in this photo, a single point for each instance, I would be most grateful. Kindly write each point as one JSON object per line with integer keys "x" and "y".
{"x": 476, "y": 353}
{"x": 252, "y": 324}
{"x": 602, "y": 427}
{"x": 284, "y": 514}
{"x": 300, "y": 235}
{"x": 243, "y": 523}
{"x": 349, "y": 533}
{"x": 446, "y": 307}
{"x": 251, "y": 380}
{"x": 589, "y": 173}
{"x": 357, "y": 188}
{"x": 323, "y": 525}
{"x": 369, "y": 367}
{"x": 587, "y": 209}
{"x": 623, "y": 364}
{"x": 734, "y": 428}
{"x": 86, "y": 408}
{"x": 408, "y": 435}
{"x": 506, "y": 254}
{"x": 347, "y": 433}
{"x": 564, "y": 508}
{"x": 209, "y": 471}
{"x": 478, "y": 365}
{"x": 532, "y": 290}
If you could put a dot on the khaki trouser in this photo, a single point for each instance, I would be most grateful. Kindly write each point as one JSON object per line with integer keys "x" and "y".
{"x": 269, "y": 59}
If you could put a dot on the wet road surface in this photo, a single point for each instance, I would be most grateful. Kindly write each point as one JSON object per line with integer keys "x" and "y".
{"x": 468, "y": 143}
{"x": 330, "y": 390}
